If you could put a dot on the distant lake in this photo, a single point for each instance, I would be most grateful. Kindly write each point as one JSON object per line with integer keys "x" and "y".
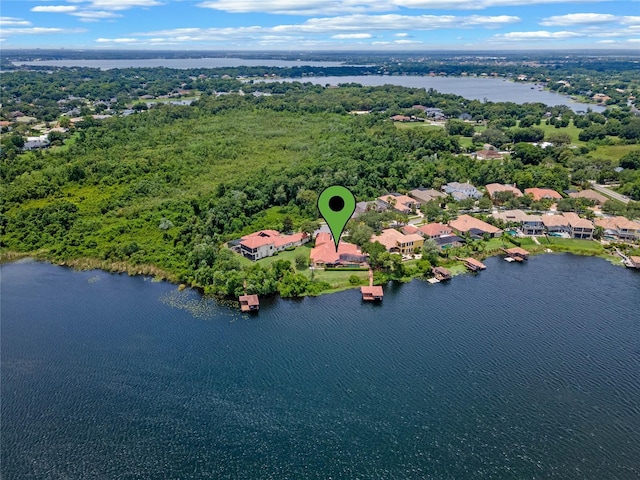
{"x": 525, "y": 371}
{"x": 183, "y": 63}
{"x": 474, "y": 88}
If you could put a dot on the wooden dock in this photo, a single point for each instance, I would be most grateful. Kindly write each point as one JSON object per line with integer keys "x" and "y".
{"x": 249, "y": 303}
{"x": 472, "y": 264}
{"x": 516, "y": 253}
{"x": 441, "y": 274}
{"x": 372, "y": 292}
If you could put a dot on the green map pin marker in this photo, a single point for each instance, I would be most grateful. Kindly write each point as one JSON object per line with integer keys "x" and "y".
{"x": 336, "y": 205}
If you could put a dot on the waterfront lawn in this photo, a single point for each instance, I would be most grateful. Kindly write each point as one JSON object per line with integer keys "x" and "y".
{"x": 582, "y": 247}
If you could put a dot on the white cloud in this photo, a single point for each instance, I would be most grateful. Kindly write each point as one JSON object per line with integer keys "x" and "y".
{"x": 39, "y": 31}
{"x": 339, "y": 7}
{"x": 578, "y": 19}
{"x": 123, "y": 4}
{"x": 357, "y": 23}
{"x": 13, "y": 22}
{"x": 539, "y": 35}
{"x": 116, "y": 40}
{"x": 630, "y": 20}
{"x": 95, "y": 15}
{"x": 54, "y": 8}
{"x": 402, "y": 34}
{"x": 633, "y": 40}
{"x": 346, "y": 36}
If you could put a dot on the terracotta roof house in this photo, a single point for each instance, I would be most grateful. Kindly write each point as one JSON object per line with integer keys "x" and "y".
{"x": 579, "y": 227}
{"x": 401, "y": 203}
{"x": 556, "y": 223}
{"x": 435, "y": 230}
{"x": 324, "y": 254}
{"x": 529, "y": 224}
{"x": 401, "y": 118}
{"x": 540, "y": 193}
{"x": 494, "y": 188}
{"x": 409, "y": 229}
{"x": 468, "y": 224}
{"x": 591, "y": 195}
{"x": 266, "y": 243}
{"x": 620, "y": 227}
{"x": 460, "y": 191}
{"x": 396, "y": 242}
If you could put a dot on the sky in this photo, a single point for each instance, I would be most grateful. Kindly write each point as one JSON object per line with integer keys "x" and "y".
{"x": 320, "y": 24}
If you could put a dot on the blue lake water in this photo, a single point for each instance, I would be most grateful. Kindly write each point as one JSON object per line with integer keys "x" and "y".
{"x": 473, "y": 88}
{"x": 182, "y": 63}
{"x": 525, "y": 371}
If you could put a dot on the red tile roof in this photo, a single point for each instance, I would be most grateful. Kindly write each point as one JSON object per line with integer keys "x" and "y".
{"x": 325, "y": 253}
{"x": 494, "y": 188}
{"x": 540, "y": 193}
{"x": 465, "y": 223}
{"x": 435, "y": 229}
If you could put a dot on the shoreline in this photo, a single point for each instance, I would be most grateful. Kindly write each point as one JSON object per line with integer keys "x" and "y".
{"x": 89, "y": 263}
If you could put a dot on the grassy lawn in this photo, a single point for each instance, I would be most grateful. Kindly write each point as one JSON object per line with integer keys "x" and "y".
{"x": 573, "y": 245}
{"x": 422, "y": 125}
{"x": 571, "y": 130}
{"x": 614, "y": 152}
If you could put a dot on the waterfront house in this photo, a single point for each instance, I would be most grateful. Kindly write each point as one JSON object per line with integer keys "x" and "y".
{"x": 474, "y": 226}
{"x": 494, "y": 188}
{"x": 620, "y": 227}
{"x": 324, "y": 253}
{"x": 460, "y": 191}
{"x": 266, "y": 243}
{"x": 529, "y": 224}
{"x": 555, "y": 224}
{"x": 542, "y": 193}
{"x": 396, "y": 242}
{"x": 580, "y": 228}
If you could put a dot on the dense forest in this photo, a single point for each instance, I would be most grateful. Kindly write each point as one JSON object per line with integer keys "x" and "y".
{"x": 168, "y": 186}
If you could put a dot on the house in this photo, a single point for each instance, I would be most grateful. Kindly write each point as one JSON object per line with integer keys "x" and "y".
{"x": 432, "y": 230}
{"x": 448, "y": 241}
{"x": 494, "y": 188}
{"x": 401, "y": 203}
{"x": 424, "y": 195}
{"x": 324, "y": 254}
{"x": 363, "y": 207}
{"x": 460, "y": 191}
{"x": 529, "y": 224}
{"x": 401, "y": 118}
{"x": 473, "y": 226}
{"x": 598, "y": 198}
{"x": 620, "y": 227}
{"x": 556, "y": 223}
{"x": 409, "y": 230}
{"x": 541, "y": 193}
{"x": 396, "y": 242}
{"x": 266, "y": 243}
{"x": 579, "y": 227}
{"x": 488, "y": 155}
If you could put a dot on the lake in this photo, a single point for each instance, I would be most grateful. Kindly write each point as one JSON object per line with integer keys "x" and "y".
{"x": 474, "y": 88}
{"x": 525, "y": 371}
{"x": 181, "y": 63}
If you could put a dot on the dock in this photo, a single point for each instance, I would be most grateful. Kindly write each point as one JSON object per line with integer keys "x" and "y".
{"x": 472, "y": 264}
{"x": 516, "y": 254}
{"x": 372, "y": 292}
{"x": 441, "y": 274}
{"x": 249, "y": 303}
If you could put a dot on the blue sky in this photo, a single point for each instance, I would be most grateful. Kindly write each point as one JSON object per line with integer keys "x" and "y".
{"x": 320, "y": 24}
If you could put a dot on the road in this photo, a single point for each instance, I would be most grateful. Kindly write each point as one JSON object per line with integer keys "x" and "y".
{"x": 610, "y": 193}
